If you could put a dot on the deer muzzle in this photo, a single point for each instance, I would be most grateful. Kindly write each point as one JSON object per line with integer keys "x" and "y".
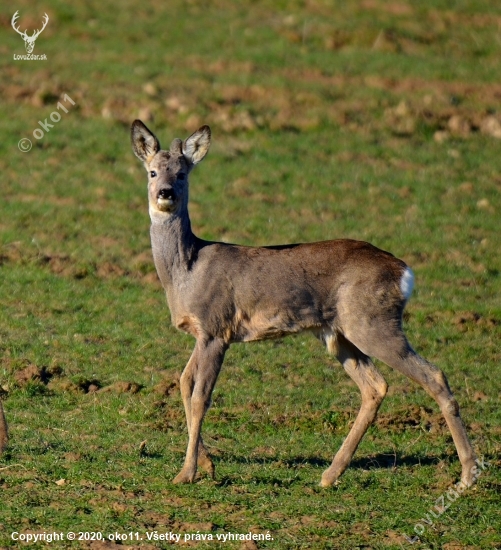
{"x": 166, "y": 199}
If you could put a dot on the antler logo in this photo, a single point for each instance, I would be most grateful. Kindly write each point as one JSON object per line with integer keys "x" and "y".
{"x": 29, "y": 41}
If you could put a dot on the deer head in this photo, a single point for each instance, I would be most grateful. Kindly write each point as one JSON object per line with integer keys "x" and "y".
{"x": 168, "y": 170}
{"x": 29, "y": 41}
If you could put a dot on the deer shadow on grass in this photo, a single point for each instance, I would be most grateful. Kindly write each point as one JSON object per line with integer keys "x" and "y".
{"x": 379, "y": 461}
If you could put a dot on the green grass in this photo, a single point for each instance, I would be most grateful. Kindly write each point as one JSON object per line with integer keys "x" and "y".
{"x": 368, "y": 120}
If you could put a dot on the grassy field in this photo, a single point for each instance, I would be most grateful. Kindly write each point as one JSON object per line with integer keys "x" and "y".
{"x": 373, "y": 120}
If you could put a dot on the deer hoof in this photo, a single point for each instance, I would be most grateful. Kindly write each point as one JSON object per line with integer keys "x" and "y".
{"x": 207, "y": 465}
{"x": 184, "y": 477}
{"x": 330, "y": 478}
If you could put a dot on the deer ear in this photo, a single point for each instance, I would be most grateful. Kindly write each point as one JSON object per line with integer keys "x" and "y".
{"x": 176, "y": 146}
{"x": 197, "y": 145}
{"x": 144, "y": 143}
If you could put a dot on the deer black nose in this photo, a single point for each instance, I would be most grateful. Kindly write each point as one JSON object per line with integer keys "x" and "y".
{"x": 166, "y": 194}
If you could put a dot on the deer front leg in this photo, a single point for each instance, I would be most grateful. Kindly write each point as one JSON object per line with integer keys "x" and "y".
{"x": 187, "y": 383}
{"x": 197, "y": 382}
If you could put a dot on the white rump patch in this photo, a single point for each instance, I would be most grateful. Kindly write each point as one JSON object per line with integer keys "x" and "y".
{"x": 407, "y": 283}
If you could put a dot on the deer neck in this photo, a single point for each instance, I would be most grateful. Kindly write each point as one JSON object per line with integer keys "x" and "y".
{"x": 174, "y": 246}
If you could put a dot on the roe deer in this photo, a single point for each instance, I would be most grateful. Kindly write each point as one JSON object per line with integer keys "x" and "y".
{"x": 349, "y": 293}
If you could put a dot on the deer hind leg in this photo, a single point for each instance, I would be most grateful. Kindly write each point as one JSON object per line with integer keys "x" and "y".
{"x": 197, "y": 382}
{"x": 395, "y": 351}
{"x": 373, "y": 388}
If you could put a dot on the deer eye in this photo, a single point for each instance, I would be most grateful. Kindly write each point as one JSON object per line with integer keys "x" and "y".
{"x": 153, "y": 174}
{"x": 181, "y": 176}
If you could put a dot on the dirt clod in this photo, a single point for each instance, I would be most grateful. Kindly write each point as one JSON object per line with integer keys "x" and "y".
{"x": 32, "y": 373}
{"x": 122, "y": 387}
{"x": 168, "y": 385}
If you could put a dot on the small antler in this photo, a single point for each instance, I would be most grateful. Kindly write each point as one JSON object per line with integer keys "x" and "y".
{"x": 13, "y": 23}
{"x": 45, "y": 21}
